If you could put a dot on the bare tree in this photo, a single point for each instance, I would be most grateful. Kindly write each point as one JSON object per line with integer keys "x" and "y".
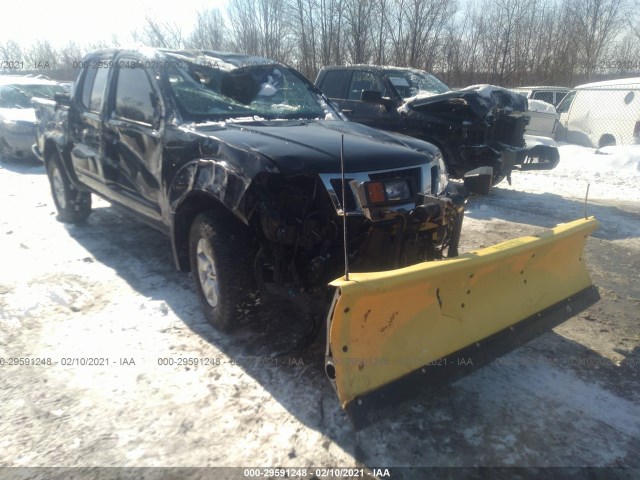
{"x": 597, "y": 22}
{"x": 305, "y": 25}
{"x": 262, "y": 27}
{"x": 159, "y": 34}
{"x": 208, "y": 33}
{"x": 11, "y": 56}
{"x": 357, "y": 34}
{"x": 41, "y": 56}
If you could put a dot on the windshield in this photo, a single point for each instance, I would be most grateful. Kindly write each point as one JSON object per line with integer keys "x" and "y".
{"x": 409, "y": 83}
{"x": 268, "y": 91}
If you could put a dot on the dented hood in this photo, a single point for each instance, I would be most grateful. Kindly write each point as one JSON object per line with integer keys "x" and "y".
{"x": 313, "y": 146}
{"x": 481, "y": 99}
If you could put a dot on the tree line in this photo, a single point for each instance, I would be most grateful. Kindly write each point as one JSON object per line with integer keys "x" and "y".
{"x": 503, "y": 42}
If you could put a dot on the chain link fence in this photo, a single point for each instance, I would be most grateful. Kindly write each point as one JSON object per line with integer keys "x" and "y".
{"x": 601, "y": 114}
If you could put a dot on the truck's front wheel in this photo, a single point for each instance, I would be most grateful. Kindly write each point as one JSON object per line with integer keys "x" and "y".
{"x": 73, "y": 205}
{"x": 221, "y": 263}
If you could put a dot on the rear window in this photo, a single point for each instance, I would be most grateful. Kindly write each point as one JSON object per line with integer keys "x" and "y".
{"x": 544, "y": 96}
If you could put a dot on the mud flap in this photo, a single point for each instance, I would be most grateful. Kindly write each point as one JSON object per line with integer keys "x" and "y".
{"x": 390, "y": 333}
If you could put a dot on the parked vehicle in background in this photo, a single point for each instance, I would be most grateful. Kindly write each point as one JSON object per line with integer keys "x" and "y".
{"x": 552, "y": 95}
{"x": 601, "y": 114}
{"x": 17, "y": 116}
{"x": 543, "y": 119}
{"x": 476, "y": 126}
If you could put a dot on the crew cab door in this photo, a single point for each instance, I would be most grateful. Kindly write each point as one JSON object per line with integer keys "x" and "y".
{"x": 86, "y": 125}
{"x": 132, "y": 133}
{"x": 381, "y": 114}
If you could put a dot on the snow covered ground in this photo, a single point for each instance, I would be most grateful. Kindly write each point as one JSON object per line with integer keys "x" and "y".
{"x": 108, "y": 290}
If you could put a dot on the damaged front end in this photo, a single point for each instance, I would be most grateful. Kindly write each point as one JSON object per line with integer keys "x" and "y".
{"x": 393, "y": 332}
{"x": 486, "y": 127}
{"x": 395, "y": 218}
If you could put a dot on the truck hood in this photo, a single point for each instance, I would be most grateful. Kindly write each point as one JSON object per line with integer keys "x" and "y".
{"x": 313, "y": 146}
{"x": 22, "y": 115}
{"x": 481, "y": 99}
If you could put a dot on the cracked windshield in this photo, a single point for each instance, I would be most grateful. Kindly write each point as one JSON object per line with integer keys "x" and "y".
{"x": 267, "y": 91}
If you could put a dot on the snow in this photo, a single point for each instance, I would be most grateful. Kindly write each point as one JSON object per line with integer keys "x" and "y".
{"x": 613, "y": 173}
{"x": 109, "y": 289}
{"x": 533, "y": 140}
{"x": 540, "y": 106}
{"x": 621, "y": 82}
{"x": 483, "y": 89}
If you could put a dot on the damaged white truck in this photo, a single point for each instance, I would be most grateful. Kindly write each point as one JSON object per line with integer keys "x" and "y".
{"x": 259, "y": 181}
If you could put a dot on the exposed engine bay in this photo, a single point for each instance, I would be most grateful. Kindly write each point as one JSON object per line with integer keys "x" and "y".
{"x": 391, "y": 223}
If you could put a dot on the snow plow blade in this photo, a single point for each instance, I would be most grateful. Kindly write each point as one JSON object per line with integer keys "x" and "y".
{"x": 391, "y": 333}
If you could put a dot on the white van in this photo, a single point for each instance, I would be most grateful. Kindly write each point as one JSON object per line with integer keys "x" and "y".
{"x": 600, "y": 114}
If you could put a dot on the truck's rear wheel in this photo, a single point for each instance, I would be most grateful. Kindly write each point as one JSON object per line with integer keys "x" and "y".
{"x": 222, "y": 266}
{"x": 497, "y": 178}
{"x": 73, "y": 205}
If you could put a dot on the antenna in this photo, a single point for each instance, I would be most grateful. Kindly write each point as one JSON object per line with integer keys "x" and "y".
{"x": 344, "y": 211}
{"x": 586, "y": 196}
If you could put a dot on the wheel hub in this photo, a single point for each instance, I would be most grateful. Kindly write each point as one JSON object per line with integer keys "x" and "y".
{"x": 207, "y": 271}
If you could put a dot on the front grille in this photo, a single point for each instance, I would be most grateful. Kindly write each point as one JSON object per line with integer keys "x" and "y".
{"x": 336, "y": 183}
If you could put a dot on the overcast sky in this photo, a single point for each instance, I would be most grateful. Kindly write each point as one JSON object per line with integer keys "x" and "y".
{"x": 61, "y": 21}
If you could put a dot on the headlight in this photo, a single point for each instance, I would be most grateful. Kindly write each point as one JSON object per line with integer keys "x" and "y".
{"x": 443, "y": 175}
{"x": 397, "y": 190}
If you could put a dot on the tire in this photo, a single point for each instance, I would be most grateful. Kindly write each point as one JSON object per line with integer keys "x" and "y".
{"x": 73, "y": 205}
{"x": 497, "y": 178}
{"x": 606, "y": 141}
{"x": 221, "y": 258}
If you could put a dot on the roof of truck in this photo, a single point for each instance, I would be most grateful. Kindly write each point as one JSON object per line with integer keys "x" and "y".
{"x": 221, "y": 60}
{"x": 622, "y": 83}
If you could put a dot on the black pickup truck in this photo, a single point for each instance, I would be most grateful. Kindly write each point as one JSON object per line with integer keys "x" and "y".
{"x": 477, "y": 126}
{"x": 243, "y": 163}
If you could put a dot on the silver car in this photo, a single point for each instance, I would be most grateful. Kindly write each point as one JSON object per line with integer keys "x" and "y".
{"x": 17, "y": 116}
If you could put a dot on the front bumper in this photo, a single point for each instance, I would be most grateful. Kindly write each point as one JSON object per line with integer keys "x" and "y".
{"x": 505, "y": 158}
{"x": 17, "y": 144}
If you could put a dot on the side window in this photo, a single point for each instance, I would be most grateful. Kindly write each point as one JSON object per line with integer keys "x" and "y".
{"x": 365, "y": 81}
{"x": 565, "y": 104}
{"x": 544, "y": 96}
{"x": 134, "y": 96}
{"x": 87, "y": 83}
{"x": 332, "y": 83}
{"x": 98, "y": 90}
{"x": 559, "y": 97}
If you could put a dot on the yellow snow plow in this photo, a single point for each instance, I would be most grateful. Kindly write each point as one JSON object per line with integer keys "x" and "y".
{"x": 394, "y": 331}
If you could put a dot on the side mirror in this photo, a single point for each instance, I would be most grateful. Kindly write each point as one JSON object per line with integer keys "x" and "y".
{"x": 479, "y": 180}
{"x": 62, "y": 98}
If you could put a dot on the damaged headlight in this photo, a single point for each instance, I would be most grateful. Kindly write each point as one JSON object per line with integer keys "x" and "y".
{"x": 443, "y": 175}
{"x": 392, "y": 191}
